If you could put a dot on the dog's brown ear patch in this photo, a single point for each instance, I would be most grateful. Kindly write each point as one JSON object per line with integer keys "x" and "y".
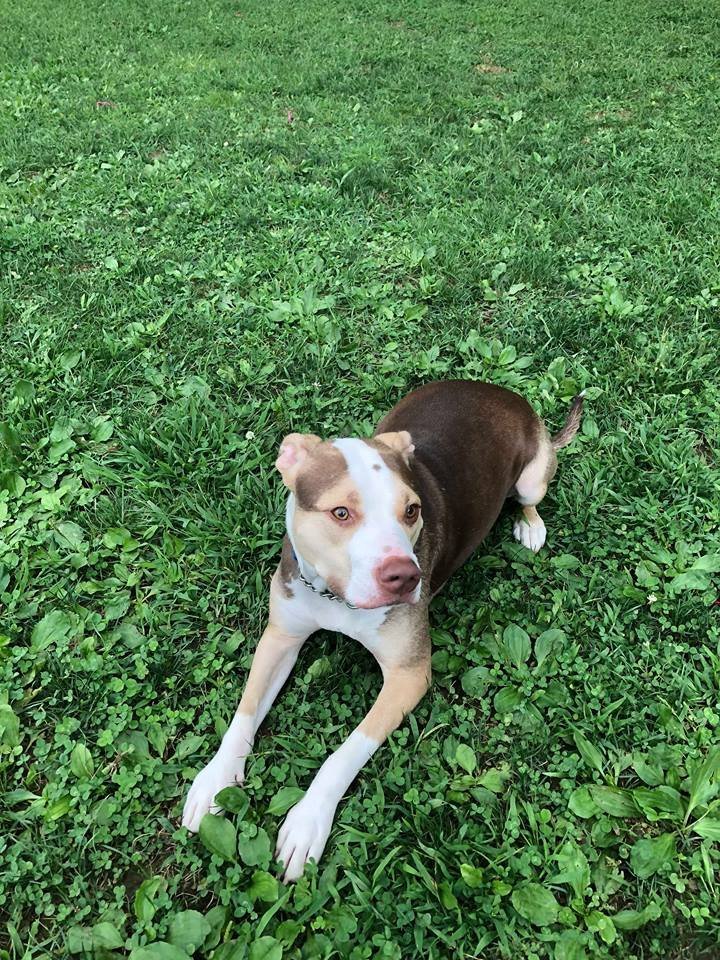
{"x": 400, "y": 441}
{"x": 294, "y": 450}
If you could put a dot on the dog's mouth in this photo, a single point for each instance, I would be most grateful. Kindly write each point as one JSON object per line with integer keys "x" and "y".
{"x": 409, "y": 599}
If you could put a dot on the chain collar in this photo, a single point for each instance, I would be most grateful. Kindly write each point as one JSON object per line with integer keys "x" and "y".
{"x": 325, "y": 594}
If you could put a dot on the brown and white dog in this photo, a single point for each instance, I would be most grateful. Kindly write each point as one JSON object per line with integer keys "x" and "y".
{"x": 374, "y": 529}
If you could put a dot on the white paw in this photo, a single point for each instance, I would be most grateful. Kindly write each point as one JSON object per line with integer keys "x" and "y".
{"x": 303, "y": 835}
{"x": 530, "y": 535}
{"x": 222, "y": 771}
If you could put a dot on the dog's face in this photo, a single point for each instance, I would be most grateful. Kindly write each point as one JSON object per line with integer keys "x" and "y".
{"x": 354, "y": 516}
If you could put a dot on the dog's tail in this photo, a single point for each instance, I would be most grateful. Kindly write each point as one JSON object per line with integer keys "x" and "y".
{"x": 565, "y": 435}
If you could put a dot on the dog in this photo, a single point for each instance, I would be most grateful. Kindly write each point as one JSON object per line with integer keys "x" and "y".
{"x": 375, "y": 527}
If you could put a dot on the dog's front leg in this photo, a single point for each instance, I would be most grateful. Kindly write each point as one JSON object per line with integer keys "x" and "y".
{"x": 274, "y": 658}
{"x": 304, "y": 833}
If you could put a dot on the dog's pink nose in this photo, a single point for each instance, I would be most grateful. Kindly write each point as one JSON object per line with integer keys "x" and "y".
{"x": 398, "y": 575}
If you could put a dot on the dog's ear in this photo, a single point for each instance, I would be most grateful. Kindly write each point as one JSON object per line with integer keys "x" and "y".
{"x": 293, "y": 452}
{"x": 400, "y": 442}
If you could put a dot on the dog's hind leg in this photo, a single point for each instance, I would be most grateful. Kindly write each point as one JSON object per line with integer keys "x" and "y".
{"x": 533, "y": 482}
{"x": 530, "y": 488}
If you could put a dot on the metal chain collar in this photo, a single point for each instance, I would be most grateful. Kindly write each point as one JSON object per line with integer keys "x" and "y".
{"x": 325, "y": 594}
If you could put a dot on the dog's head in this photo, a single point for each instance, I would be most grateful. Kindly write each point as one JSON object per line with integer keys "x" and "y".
{"x": 354, "y": 514}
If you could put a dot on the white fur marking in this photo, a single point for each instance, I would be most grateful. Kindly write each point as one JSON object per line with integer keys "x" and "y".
{"x": 380, "y": 528}
{"x": 531, "y": 535}
{"x": 531, "y": 485}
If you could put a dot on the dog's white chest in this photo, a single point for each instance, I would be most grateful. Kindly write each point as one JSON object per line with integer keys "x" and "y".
{"x": 307, "y": 611}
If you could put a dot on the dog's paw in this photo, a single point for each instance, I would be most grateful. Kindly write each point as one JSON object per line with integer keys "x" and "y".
{"x": 303, "y": 835}
{"x": 221, "y": 772}
{"x": 530, "y": 535}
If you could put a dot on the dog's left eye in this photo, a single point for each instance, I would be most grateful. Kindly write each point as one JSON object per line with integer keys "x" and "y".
{"x": 411, "y": 512}
{"x": 341, "y": 513}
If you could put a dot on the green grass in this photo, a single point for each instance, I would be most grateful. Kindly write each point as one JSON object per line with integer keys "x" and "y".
{"x": 187, "y": 276}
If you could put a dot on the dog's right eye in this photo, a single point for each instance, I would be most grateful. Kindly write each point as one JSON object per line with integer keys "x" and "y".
{"x": 341, "y": 514}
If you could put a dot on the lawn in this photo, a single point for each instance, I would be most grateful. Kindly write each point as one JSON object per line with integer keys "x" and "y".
{"x": 226, "y": 220}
